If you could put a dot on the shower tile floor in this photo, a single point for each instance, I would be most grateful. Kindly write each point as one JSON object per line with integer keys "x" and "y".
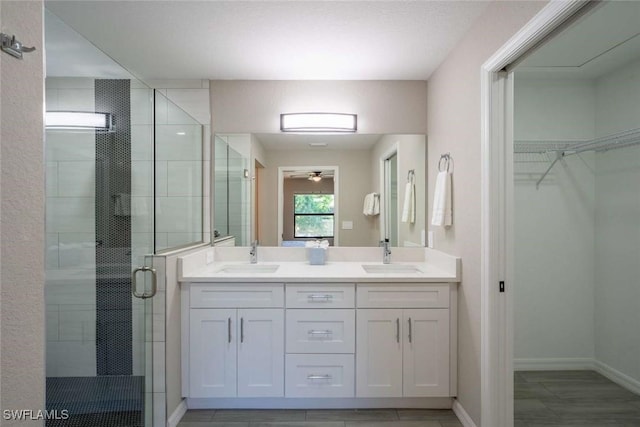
{"x": 571, "y": 399}
{"x": 321, "y": 418}
{"x": 102, "y": 401}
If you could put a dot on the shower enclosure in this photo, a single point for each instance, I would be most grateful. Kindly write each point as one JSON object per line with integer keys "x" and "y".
{"x": 115, "y": 196}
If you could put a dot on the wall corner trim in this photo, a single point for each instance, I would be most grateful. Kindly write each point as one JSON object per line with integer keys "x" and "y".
{"x": 177, "y": 414}
{"x": 462, "y": 414}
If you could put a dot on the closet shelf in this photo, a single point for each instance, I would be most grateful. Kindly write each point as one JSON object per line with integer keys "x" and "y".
{"x": 568, "y": 147}
{"x": 605, "y": 143}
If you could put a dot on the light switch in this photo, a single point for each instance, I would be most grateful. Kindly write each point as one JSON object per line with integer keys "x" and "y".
{"x": 347, "y": 225}
{"x": 430, "y": 240}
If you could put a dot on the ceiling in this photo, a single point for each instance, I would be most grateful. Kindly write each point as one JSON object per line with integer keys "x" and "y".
{"x": 272, "y": 40}
{"x": 606, "y": 38}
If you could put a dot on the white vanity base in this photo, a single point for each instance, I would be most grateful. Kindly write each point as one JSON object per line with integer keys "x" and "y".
{"x": 324, "y": 403}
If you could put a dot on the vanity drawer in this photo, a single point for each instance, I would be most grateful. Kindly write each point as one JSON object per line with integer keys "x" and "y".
{"x": 319, "y": 375}
{"x": 237, "y": 295}
{"x": 403, "y": 296}
{"x": 321, "y": 331}
{"x": 303, "y": 296}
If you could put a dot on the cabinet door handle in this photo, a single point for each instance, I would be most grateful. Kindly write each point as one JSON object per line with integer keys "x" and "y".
{"x": 242, "y": 329}
{"x": 398, "y": 330}
{"x": 320, "y": 298}
{"x": 229, "y": 329}
{"x": 325, "y": 332}
{"x": 409, "y": 329}
{"x": 319, "y": 377}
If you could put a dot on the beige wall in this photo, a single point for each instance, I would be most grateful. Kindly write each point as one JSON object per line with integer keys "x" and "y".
{"x": 22, "y": 339}
{"x": 293, "y": 186}
{"x": 412, "y": 153}
{"x": 354, "y": 182}
{"x": 454, "y": 126}
{"x": 255, "y": 106}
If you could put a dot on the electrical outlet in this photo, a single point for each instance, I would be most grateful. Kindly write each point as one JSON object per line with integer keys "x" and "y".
{"x": 209, "y": 256}
{"x": 430, "y": 240}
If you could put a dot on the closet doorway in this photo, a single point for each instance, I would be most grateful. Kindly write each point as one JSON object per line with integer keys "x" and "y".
{"x": 576, "y": 223}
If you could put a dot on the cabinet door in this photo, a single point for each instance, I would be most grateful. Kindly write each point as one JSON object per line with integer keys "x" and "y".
{"x": 426, "y": 352}
{"x": 261, "y": 352}
{"x": 212, "y": 356}
{"x": 379, "y": 353}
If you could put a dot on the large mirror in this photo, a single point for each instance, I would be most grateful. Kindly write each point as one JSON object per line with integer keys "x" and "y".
{"x": 352, "y": 190}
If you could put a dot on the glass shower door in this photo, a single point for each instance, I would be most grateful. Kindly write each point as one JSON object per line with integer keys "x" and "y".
{"x": 99, "y": 227}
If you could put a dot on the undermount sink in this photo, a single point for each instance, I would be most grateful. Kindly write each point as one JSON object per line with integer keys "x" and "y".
{"x": 249, "y": 268}
{"x": 390, "y": 268}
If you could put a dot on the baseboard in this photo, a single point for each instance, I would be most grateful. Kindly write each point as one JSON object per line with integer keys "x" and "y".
{"x": 554, "y": 364}
{"x": 618, "y": 377}
{"x": 320, "y": 403}
{"x": 462, "y": 415}
{"x": 177, "y": 414}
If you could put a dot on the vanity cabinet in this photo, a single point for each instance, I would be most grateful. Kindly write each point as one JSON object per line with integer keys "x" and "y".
{"x": 352, "y": 341}
{"x": 236, "y": 352}
{"x": 403, "y": 352}
{"x": 320, "y": 340}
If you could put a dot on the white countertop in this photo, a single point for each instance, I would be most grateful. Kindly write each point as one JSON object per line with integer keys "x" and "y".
{"x": 329, "y": 272}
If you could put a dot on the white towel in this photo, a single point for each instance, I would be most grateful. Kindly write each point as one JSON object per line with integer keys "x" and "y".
{"x": 409, "y": 206}
{"x": 442, "y": 212}
{"x": 371, "y": 204}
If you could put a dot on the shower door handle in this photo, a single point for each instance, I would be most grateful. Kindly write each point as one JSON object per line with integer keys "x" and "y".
{"x": 154, "y": 282}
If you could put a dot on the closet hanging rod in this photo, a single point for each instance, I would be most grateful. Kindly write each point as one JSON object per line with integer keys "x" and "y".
{"x": 566, "y": 148}
{"x": 609, "y": 142}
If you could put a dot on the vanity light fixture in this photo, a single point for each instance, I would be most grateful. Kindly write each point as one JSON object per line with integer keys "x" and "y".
{"x": 79, "y": 120}
{"x": 318, "y": 122}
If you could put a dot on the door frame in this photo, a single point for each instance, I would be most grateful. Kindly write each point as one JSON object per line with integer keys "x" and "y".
{"x": 394, "y": 149}
{"x": 336, "y": 198}
{"x": 496, "y": 114}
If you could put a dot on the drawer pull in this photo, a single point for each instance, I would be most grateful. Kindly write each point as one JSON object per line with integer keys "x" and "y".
{"x": 410, "y": 337}
{"x": 229, "y": 329}
{"x": 319, "y": 377}
{"x": 398, "y": 330}
{"x": 315, "y": 333}
{"x": 242, "y": 329}
{"x": 320, "y": 298}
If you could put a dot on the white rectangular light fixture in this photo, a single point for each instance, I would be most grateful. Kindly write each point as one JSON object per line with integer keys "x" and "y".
{"x": 318, "y": 122}
{"x": 78, "y": 120}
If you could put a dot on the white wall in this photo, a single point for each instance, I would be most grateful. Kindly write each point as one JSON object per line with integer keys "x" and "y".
{"x": 454, "y": 126}
{"x": 22, "y": 311}
{"x": 255, "y": 106}
{"x": 617, "y": 308}
{"x": 554, "y": 226}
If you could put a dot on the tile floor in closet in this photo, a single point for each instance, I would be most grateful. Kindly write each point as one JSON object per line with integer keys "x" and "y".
{"x": 571, "y": 399}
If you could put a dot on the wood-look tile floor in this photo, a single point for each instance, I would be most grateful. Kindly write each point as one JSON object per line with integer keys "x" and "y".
{"x": 321, "y": 418}
{"x": 572, "y": 398}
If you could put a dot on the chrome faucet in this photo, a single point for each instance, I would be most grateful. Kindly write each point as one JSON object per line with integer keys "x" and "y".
{"x": 254, "y": 252}
{"x": 386, "y": 252}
